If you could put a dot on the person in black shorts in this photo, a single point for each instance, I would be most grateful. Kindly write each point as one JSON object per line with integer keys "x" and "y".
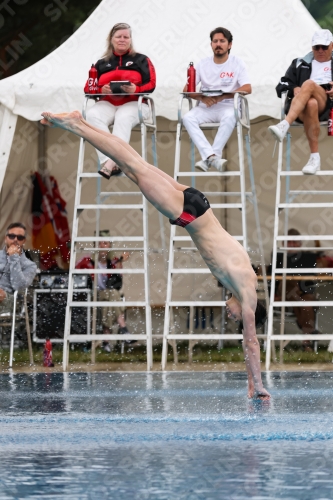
{"x": 195, "y": 205}
{"x": 226, "y": 258}
{"x": 308, "y": 82}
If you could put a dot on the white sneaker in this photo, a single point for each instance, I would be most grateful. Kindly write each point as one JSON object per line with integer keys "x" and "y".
{"x": 107, "y": 348}
{"x": 216, "y": 162}
{"x": 312, "y": 166}
{"x": 202, "y": 165}
{"x": 280, "y": 130}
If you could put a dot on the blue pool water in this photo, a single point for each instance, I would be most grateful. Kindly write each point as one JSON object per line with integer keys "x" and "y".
{"x": 165, "y": 436}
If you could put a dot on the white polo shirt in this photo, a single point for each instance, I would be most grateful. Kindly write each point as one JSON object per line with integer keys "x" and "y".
{"x": 227, "y": 77}
{"x": 321, "y": 72}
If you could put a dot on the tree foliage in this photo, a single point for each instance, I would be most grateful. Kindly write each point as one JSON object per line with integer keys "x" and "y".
{"x": 322, "y": 11}
{"x": 31, "y": 29}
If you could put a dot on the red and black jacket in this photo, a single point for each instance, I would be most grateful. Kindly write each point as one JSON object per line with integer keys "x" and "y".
{"x": 137, "y": 68}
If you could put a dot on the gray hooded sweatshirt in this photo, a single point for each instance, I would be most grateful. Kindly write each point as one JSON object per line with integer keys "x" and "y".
{"x": 16, "y": 271}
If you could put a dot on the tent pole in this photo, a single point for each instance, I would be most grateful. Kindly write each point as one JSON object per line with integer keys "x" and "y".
{"x": 42, "y": 166}
{"x": 7, "y": 131}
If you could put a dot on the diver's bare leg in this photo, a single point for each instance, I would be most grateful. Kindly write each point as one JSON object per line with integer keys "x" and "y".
{"x": 158, "y": 190}
{"x": 109, "y": 166}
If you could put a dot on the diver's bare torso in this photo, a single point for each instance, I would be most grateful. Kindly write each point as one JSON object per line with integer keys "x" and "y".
{"x": 226, "y": 258}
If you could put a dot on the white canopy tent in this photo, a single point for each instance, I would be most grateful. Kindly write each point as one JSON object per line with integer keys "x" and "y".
{"x": 267, "y": 36}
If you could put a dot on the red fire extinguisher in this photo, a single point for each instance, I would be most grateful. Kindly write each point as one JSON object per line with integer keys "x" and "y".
{"x": 47, "y": 353}
{"x": 330, "y": 121}
{"x": 92, "y": 80}
{"x": 191, "y": 78}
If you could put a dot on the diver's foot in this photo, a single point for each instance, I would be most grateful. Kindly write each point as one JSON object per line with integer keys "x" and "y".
{"x": 67, "y": 121}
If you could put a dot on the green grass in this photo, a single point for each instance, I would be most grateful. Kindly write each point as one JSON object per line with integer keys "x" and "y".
{"x": 202, "y": 353}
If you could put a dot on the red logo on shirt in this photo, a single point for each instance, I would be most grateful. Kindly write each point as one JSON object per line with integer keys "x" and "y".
{"x": 327, "y": 68}
{"x": 226, "y": 74}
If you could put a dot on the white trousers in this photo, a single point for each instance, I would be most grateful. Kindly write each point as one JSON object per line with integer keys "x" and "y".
{"x": 218, "y": 113}
{"x": 124, "y": 117}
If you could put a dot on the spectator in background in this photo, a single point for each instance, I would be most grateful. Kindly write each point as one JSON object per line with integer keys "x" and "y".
{"x": 109, "y": 289}
{"x": 300, "y": 290}
{"x": 308, "y": 81}
{"x": 221, "y": 71}
{"x": 16, "y": 270}
{"x": 120, "y": 63}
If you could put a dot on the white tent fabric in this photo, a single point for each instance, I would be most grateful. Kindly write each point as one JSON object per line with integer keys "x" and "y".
{"x": 267, "y": 35}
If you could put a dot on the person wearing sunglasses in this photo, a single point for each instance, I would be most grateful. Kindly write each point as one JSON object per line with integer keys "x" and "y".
{"x": 16, "y": 270}
{"x": 308, "y": 83}
{"x": 119, "y": 105}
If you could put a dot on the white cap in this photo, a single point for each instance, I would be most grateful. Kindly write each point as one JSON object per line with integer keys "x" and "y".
{"x": 322, "y": 37}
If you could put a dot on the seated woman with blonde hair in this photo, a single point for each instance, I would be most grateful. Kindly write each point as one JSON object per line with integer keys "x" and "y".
{"x": 120, "y": 63}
